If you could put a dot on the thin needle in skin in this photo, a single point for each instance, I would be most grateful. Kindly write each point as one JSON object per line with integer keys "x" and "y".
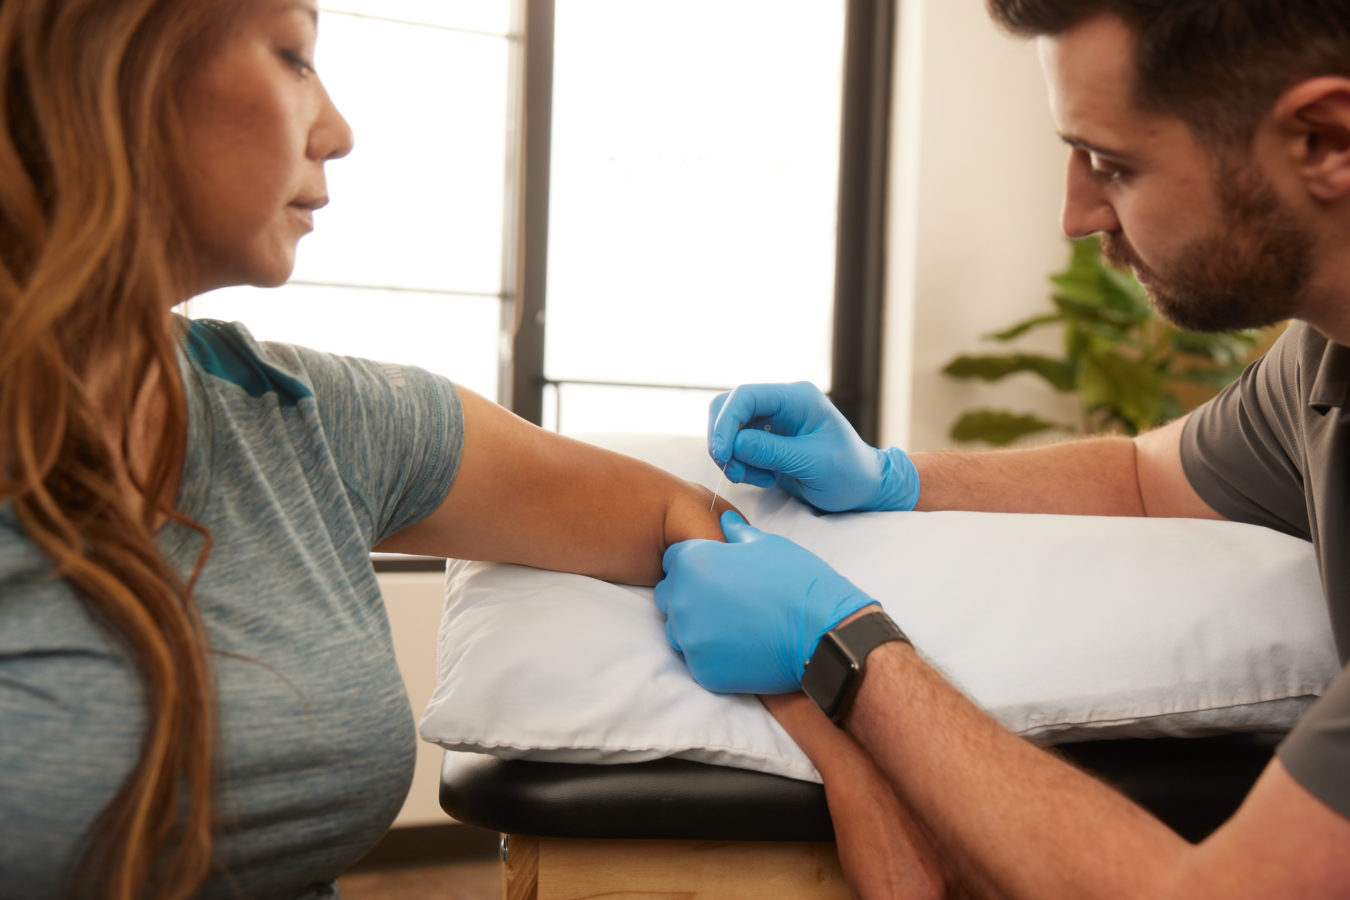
{"x": 718, "y": 489}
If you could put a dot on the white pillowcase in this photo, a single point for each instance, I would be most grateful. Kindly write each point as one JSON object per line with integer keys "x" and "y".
{"x": 1062, "y": 627}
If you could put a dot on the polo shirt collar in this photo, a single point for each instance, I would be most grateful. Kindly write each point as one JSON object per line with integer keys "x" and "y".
{"x": 1331, "y": 386}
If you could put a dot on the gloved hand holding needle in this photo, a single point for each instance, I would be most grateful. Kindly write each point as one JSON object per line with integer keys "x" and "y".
{"x": 790, "y": 434}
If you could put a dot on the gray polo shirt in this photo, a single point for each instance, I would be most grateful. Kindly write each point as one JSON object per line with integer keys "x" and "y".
{"x": 298, "y": 462}
{"x": 1274, "y": 449}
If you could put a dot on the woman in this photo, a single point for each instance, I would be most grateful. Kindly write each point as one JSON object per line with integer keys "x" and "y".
{"x": 197, "y": 688}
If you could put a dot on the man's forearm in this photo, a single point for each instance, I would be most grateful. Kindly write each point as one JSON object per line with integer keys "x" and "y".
{"x": 1095, "y": 476}
{"x": 1004, "y": 811}
{"x": 882, "y": 850}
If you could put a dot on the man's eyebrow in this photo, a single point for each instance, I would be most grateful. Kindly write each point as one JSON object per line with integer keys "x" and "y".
{"x": 1079, "y": 144}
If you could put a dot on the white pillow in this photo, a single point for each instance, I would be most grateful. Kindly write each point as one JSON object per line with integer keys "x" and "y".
{"x": 1062, "y": 627}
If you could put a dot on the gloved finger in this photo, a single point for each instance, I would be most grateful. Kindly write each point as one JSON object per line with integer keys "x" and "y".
{"x": 661, "y": 595}
{"x": 715, "y": 410}
{"x": 776, "y": 405}
{"x": 671, "y": 558}
{"x": 758, "y": 477}
{"x": 735, "y": 471}
{"x": 772, "y": 452}
{"x": 671, "y": 638}
{"x": 727, "y": 414}
{"x": 736, "y": 529}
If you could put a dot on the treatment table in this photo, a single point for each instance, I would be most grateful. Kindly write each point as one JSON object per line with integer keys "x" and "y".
{"x": 674, "y": 828}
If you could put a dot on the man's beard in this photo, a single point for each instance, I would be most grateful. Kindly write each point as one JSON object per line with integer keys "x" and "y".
{"x": 1253, "y": 271}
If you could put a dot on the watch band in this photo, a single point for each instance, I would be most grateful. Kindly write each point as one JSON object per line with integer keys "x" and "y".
{"x": 865, "y": 633}
{"x": 836, "y": 669}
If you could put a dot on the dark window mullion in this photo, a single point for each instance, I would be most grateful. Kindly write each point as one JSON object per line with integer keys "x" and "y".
{"x": 525, "y": 260}
{"x": 860, "y": 263}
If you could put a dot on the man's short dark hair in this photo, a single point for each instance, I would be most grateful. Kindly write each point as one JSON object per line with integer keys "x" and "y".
{"x": 1217, "y": 64}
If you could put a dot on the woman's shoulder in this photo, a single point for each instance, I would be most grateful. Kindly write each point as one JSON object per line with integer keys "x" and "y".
{"x": 228, "y": 352}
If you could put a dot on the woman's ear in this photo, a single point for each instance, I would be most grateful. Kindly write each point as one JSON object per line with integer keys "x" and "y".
{"x": 1314, "y": 117}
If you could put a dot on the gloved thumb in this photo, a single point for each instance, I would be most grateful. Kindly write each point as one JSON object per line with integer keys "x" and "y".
{"x": 736, "y": 530}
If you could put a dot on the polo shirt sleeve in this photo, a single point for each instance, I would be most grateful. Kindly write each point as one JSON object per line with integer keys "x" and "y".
{"x": 1242, "y": 450}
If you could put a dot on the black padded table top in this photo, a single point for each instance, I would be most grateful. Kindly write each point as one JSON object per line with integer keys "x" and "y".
{"x": 1192, "y": 784}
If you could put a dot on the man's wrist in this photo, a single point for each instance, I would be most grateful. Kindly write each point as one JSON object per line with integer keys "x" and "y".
{"x": 838, "y": 664}
{"x": 858, "y": 614}
{"x": 899, "y": 489}
{"x": 883, "y": 657}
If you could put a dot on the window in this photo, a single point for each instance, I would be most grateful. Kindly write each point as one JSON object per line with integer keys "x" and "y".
{"x": 688, "y": 206}
{"x": 693, "y": 193}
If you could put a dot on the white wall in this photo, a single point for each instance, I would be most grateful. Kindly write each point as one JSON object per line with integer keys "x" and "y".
{"x": 976, "y": 183}
{"x": 414, "y": 604}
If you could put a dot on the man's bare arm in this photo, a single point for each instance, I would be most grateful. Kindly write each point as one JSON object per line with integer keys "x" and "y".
{"x": 882, "y": 850}
{"x": 1010, "y": 814}
{"x": 1103, "y": 476}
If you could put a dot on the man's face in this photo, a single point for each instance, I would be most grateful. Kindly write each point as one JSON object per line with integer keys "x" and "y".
{"x": 1210, "y": 239}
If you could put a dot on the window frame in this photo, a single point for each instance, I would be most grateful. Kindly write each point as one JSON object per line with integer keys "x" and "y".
{"x": 860, "y": 257}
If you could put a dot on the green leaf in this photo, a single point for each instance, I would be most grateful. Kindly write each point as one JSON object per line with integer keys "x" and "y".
{"x": 1024, "y": 326}
{"x": 1094, "y": 311}
{"x": 1227, "y": 349}
{"x": 998, "y": 427}
{"x": 1123, "y": 387}
{"x": 1123, "y": 294}
{"x": 1080, "y": 282}
{"x": 992, "y": 368}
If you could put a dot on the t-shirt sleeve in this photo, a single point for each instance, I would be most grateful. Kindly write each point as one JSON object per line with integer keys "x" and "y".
{"x": 396, "y": 433}
{"x": 1242, "y": 450}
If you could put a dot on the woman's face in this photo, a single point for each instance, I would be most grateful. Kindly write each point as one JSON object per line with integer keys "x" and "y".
{"x": 258, "y": 128}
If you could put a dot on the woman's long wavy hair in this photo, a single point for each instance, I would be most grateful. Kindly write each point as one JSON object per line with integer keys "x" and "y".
{"x": 91, "y": 244}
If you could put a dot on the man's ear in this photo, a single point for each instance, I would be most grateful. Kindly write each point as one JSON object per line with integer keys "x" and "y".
{"x": 1314, "y": 117}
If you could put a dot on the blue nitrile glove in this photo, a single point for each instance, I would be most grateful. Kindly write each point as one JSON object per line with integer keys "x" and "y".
{"x": 747, "y": 615}
{"x": 795, "y": 437}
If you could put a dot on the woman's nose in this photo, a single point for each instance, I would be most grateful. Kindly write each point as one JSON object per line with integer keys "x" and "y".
{"x": 331, "y": 137}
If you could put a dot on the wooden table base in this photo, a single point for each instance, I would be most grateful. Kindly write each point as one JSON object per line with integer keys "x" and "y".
{"x": 574, "y": 869}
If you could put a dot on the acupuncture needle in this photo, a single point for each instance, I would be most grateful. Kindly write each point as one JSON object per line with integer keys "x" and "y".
{"x": 718, "y": 489}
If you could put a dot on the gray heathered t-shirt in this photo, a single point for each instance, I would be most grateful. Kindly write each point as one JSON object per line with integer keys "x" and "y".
{"x": 1274, "y": 449}
{"x": 298, "y": 463}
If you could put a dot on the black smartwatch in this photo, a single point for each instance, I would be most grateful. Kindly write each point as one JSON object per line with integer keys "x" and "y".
{"x": 835, "y": 672}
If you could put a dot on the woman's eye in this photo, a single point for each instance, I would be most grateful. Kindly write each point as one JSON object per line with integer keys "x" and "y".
{"x": 301, "y": 65}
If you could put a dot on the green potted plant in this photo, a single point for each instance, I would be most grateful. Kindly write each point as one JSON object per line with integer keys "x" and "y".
{"x": 1121, "y": 358}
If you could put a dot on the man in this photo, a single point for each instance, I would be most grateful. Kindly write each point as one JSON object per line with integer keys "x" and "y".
{"x": 1210, "y": 149}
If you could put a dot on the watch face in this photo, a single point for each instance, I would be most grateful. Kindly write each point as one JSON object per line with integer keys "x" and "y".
{"x": 829, "y": 675}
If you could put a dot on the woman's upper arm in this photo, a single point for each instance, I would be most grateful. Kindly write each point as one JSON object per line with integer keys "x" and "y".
{"x": 530, "y": 496}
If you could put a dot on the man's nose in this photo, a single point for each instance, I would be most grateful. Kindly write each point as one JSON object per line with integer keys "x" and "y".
{"x": 1087, "y": 210}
